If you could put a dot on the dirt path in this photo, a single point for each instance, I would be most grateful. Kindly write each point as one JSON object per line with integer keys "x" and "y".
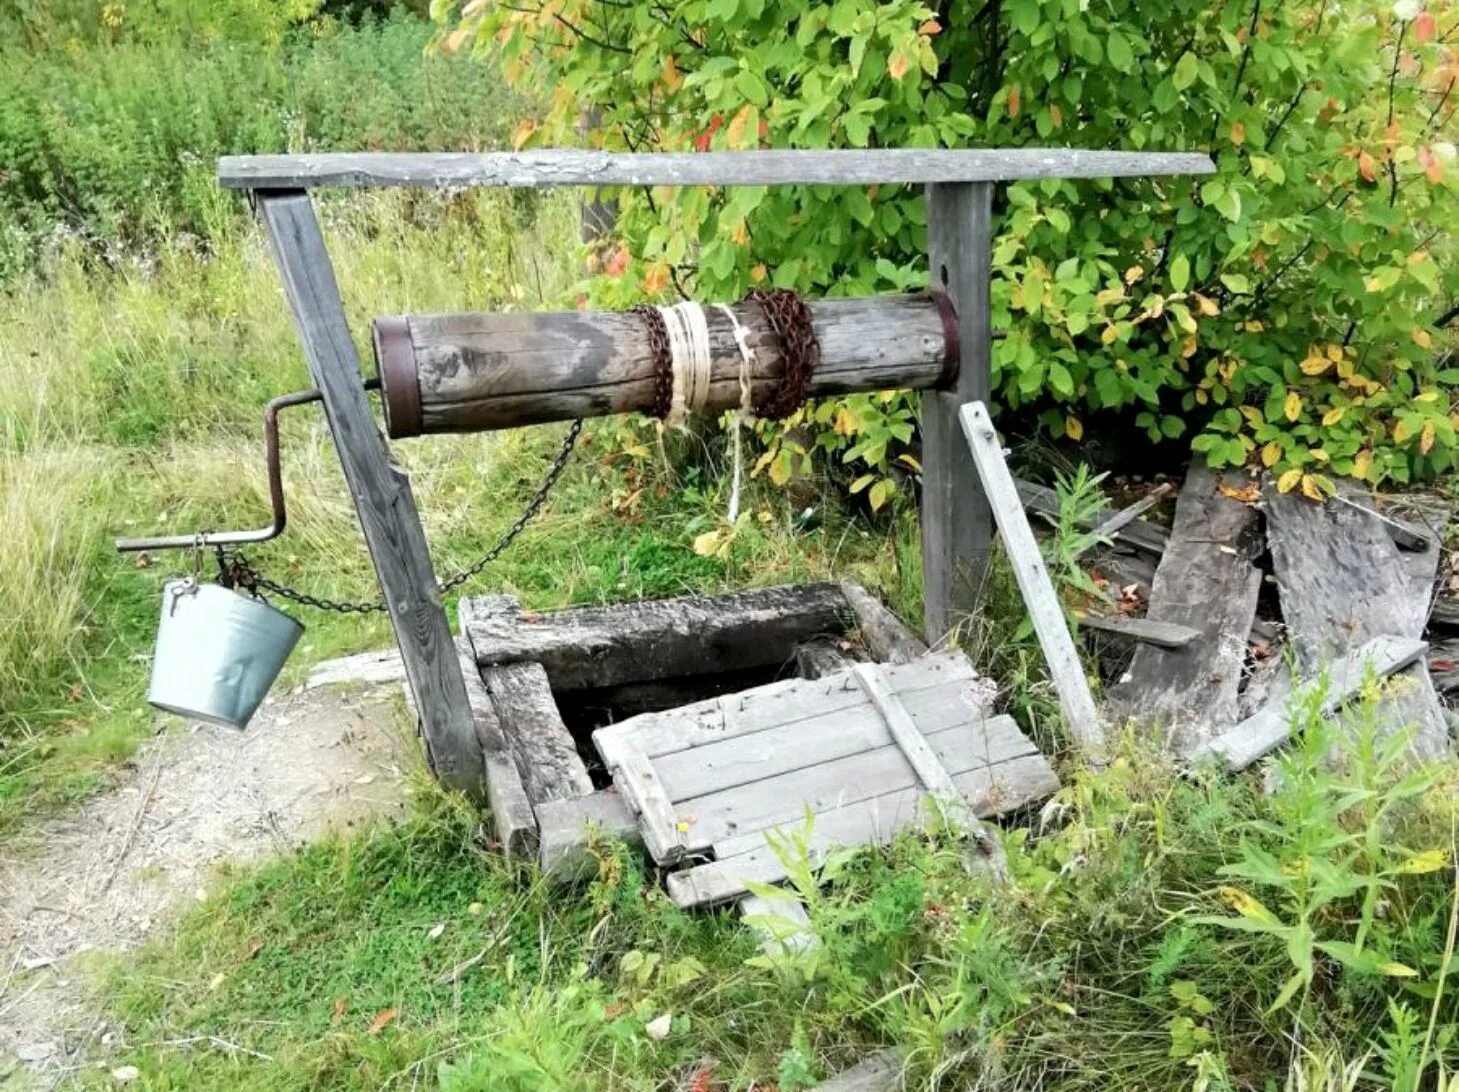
{"x": 108, "y": 876}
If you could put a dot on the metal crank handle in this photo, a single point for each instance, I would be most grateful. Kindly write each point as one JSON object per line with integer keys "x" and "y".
{"x": 276, "y": 525}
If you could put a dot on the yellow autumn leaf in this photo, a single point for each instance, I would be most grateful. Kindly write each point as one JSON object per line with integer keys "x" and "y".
{"x": 1401, "y": 432}
{"x": 1073, "y": 427}
{"x": 1134, "y": 273}
{"x": 1334, "y": 353}
{"x": 1430, "y": 860}
{"x": 523, "y": 132}
{"x": 1363, "y": 464}
{"x": 1426, "y": 437}
{"x": 1288, "y": 481}
{"x": 1320, "y": 454}
{"x": 1311, "y": 490}
{"x": 1206, "y": 306}
{"x": 1247, "y": 905}
{"x": 758, "y": 272}
{"x": 1421, "y": 338}
{"x": 1188, "y": 349}
{"x": 706, "y": 544}
{"x": 1108, "y": 334}
{"x": 735, "y": 131}
{"x": 1292, "y": 406}
{"x": 670, "y": 72}
{"x": 1253, "y": 415}
{"x": 1271, "y": 453}
{"x": 1333, "y": 416}
{"x": 656, "y": 278}
{"x": 1315, "y": 365}
{"x": 899, "y": 63}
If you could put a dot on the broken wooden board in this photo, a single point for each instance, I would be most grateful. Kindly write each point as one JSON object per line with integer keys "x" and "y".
{"x": 585, "y": 647}
{"x": 546, "y": 756}
{"x": 1342, "y": 681}
{"x": 1130, "y": 530}
{"x": 820, "y": 657}
{"x": 1342, "y": 582}
{"x": 566, "y": 829}
{"x": 714, "y": 777}
{"x": 1206, "y": 581}
{"x": 1144, "y": 630}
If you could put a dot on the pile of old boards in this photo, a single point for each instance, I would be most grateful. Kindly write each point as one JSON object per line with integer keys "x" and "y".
{"x": 695, "y": 758}
{"x": 1252, "y": 595}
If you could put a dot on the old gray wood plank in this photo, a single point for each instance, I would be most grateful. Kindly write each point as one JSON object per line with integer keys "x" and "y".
{"x": 584, "y": 647}
{"x": 512, "y": 815}
{"x": 803, "y": 741}
{"x": 780, "y": 704}
{"x": 988, "y": 790}
{"x": 885, "y": 635}
{"x": 881, "y": 1072}
{"x": 819, "y": 658}
{"x": 666, "y": 838}
{"x": 957, "y": 527}
{"x": 546, "y": 756}
{"x": 1444, "y": 615}
{"x": 1125, "y": 517}
{"x": 474, "y": 371}
{"x": 1206, "y": 581}
{"x": 1137, "y": 533}
{"x": 571, "y": 167}
{"x": 566, "y": 828}
{"x": 1342, "y": 582}
{"x": 1270, "y": 726}
{"x": 1039, "y": 596}
{"x": 381, "y": 492}
{"x": 904, "y": 730}
{"x": 1145, "y": 630}
{"x": 783, "y": 798}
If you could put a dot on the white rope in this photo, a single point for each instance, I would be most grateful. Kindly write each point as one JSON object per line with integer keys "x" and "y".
{"x": 745, "y": 413}
{"x": 689, "y": 358}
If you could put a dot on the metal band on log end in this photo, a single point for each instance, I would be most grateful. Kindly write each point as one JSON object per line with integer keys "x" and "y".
{"x": 952, "y": 347}
{"x": 399, "y": 376}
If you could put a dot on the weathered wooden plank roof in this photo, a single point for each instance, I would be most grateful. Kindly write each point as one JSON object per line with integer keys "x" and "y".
{"x": 574, "y": 167}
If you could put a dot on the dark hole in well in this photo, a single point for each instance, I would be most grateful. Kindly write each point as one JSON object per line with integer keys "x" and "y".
{"x": 584, "y": 711}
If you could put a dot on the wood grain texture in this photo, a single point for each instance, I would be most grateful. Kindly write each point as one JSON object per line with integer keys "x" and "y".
{"x": 546, "y": 756}
{"x": 569, "y": 167}
{"x": 1022, "y": 549}
{"x": 957, "y": 527}
{"x": 584, "y": 647}
{"x": 1206, "y": 581}
{"x": 1342, "y": 582}
{"x": 1342, "y": 681}
{"x": 566, "y": 829}
{"x": 381, "y": 492}
{"x": 988, "y": 790}
{"x": 635, "y": 777}
{"x": 904, "y": 731}
{"x": 885, "y": 635}
{"x": 475, "y": 371}
{"x": 512, "y": 816}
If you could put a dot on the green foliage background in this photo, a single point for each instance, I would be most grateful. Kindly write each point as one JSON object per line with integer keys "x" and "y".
{"x": 1278, "y": 312}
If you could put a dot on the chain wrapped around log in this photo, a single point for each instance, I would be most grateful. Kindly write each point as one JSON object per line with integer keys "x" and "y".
{"x": 475, "y": 372}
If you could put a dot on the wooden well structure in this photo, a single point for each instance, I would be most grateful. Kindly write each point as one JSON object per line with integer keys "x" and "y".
{"x": 473, "y": 372}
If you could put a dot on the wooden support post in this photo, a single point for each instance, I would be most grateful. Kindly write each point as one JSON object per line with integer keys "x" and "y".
{"x": 956, "y": 524}
{"x": 381, "y": 491}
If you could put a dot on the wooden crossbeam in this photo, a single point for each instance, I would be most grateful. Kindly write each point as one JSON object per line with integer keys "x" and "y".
{"x": 574, "y": 167}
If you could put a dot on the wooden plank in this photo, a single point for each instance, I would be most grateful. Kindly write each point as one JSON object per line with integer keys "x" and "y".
{"x": 904, "y": 730}
{"x": 957, "y": 527}
{"x": 885, "y": 636}
{"x": 808, "y": 741}
{"x": 819, "y": 658}
{"x": 724, "y": 814}
{"x": 780, "y": 704}
{"x": 1137, "y": 533}
{"x": 988, "y": 790}
{"x": 1270, "y": 726}
{"x": 1145, "y": 630}
{"x": 881, "y": 1072}
{"x": 1039, "y": 596}
{"x": 546, "y": 755}
{"x": 566, "y": 828}
{"x": 1207, "y": 582}
{"x": 381, "y": 492}
{"x": 586, "y": 647}
{"x": 636, "y": 779}
{"x": 512, "y": 815}
{"x": 1342, "y": 582}
{"x": 473, "y": 371}
{"x": 570, "y": 167}
{"x": 1126, "y": 517}
{"x": 1444, "y": 615}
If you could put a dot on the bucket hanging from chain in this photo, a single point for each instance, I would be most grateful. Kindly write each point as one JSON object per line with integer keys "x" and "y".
{"x": 218, "y": 652}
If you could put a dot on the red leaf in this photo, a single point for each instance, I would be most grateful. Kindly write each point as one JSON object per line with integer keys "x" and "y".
{"x": 1423, "y": 27}
{"x": 1367, "y": 167}
{"x": 382, "y": 1020}
{"x": 1431, "y": 164}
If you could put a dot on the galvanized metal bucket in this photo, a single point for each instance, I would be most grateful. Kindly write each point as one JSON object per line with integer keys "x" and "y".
{"x": 218, "y": 652}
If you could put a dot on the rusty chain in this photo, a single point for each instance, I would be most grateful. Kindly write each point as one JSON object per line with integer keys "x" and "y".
{"x": 235, "y": 570}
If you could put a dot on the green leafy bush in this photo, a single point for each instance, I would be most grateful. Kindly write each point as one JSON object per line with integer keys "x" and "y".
{"x": 1278, "y": 312}
{"x": 116, "y": 140}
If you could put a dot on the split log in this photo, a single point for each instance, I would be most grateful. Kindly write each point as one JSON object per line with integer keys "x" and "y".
{"x": 885, "y": 635}
{"x": 589, "y": 647}
{"x": 546, "y": 756}
{"x": 1206, "y": 581}
{"x": 1342, "y": 582}
{"x": 476, "y": 371}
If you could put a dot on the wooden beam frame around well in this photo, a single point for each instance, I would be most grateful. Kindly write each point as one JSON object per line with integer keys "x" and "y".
{"x": 959, "y": 184}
